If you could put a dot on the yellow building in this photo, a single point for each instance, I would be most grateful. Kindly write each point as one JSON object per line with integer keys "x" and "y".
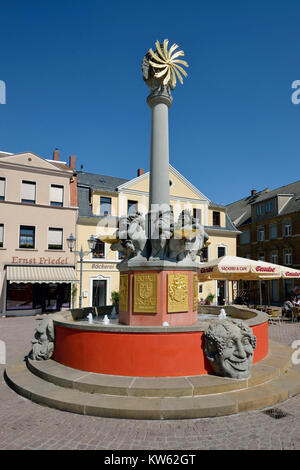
{"x": 103, "y": 199}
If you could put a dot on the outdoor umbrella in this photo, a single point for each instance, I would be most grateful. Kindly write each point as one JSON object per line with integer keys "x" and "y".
{"x": 234, "y": 268}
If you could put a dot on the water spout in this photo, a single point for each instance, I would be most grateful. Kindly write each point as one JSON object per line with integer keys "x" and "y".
{"x": 222, "y": 315}
{"x": 106, "y": 320}
{"x": 90, "y": 318}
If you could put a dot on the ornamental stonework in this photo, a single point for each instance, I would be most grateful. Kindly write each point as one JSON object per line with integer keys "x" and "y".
{"x": 124, "y": 285}
{"x": 178, "y": 293}
{"x": 145, "y": 293}
{"x": 195, "y": 292}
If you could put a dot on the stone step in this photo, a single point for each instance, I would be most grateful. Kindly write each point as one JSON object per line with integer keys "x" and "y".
{"x": 277, "y": 362}
{"x": 21, "y": 380}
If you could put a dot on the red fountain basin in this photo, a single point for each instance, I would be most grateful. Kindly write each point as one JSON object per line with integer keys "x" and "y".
{"x": 136, "y": 351}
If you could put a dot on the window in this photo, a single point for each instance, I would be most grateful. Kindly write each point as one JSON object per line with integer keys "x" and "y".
{"x": 287, "y": 257}
{"x": 221, "y": 251}
{"x": 28, "y": 192}
{"x": 55, "y": 239}
{"x": 287, "y": 229}
{"x": 132, "y": 207}
{"x": 269, "y": 207}
{"x": 261, "y": 257}
{"x": 99, "y": 251}
{"x": 260, "y": 234}
{"x": 216, "y": 218}
{"x": 245, "y": 237}
{"x": 204, "y": 254}
{"x": 273, "y": 231}
{"x": 1, "y": 235}
{"x": 27, "y": 237}
{"x": 197, "y": 214}
{"x": 2, "y": 189}
{"x": 56, "y": 195}
{"x": 105, "y": 205}
{"x": 274, "y": 257}
{"x": 259, "y": 209}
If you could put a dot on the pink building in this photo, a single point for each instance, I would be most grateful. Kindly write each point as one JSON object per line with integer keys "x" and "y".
{"x": 38, "y": 211}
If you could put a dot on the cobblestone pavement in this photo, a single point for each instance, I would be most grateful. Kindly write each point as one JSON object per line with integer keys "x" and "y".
{"x": 26, "y": 425}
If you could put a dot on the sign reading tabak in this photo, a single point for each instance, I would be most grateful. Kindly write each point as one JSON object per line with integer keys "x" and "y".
{"x": 40, "y": 260}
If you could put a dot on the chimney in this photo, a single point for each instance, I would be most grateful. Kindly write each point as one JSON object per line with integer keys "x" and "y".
{"x": 72, "y": 162}
{"x": 253, "y": 192}
{"x": 140, "y": 171}
{"x": 56, "y": 155}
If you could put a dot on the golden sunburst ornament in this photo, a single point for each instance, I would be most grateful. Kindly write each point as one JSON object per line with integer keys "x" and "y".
{"x": 168, "y": 62}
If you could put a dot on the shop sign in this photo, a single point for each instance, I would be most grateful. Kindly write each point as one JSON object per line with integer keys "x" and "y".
{"x": 103, "y": 266}
{"x": 40, "y": 260}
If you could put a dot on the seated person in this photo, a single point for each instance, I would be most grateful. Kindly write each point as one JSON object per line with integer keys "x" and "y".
{"x": 287, "y": 308}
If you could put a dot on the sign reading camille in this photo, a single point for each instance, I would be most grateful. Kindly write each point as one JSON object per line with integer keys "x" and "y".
{"x": 40, "y": 260}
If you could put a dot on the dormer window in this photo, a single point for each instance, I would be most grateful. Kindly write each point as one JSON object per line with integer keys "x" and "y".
{"x": 259, "y": 209}
{"x": 269, "y": 207}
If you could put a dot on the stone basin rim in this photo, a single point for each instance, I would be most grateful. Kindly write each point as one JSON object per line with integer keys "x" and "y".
{"x": 65, "y": 319}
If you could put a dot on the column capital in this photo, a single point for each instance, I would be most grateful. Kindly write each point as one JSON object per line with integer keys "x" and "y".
{"x": 160, "y": 96}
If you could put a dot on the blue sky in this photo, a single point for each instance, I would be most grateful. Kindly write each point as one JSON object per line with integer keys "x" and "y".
{"x": 73, "y": 78}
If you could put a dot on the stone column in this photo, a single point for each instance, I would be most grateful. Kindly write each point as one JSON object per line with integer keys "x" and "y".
{"x": 159, "y": 150}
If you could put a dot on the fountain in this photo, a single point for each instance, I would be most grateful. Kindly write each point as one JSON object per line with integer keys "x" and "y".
{"x": 158, "y": 358}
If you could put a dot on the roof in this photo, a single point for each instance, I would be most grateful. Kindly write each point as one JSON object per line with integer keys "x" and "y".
{"x": 240, "y": 211}
{"x": 230, "y": 227}
{"x": 100, "y": 182}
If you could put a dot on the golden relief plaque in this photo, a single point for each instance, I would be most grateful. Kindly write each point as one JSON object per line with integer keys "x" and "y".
{"x": 178, "y": 293}
{"x": 195, "y": 292}
{"x": 124, "y": 285}
{"x": 145, "y": 293}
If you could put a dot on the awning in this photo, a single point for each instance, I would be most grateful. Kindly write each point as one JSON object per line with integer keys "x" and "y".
{"x": 41, "y": 274}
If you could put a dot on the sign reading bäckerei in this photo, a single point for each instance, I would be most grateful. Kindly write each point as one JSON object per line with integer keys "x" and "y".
{"x": 41, "y": 260}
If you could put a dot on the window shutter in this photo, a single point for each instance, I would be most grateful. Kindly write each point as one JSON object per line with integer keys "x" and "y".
{"x": 2, "y": 187}
{"x": 55, "y": 236}
{"x": 28, "y": 191}
{"x": 57, "y": 194}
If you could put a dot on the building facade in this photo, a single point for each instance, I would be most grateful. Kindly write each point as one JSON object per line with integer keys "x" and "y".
{"x": 38, "y": 211}
{"x": 103, "y": 199}
{"x": 269, "y": 222}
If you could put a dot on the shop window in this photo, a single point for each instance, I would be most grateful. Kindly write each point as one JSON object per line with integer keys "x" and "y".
{"x": 19, "y": 296}
{"x": 99, "y": 251}
{"x": 56, "y": 195}
{"x": 55, "y": 239}
{"x": 132, "y": 207}
{"x": 216, "y": 218}
{"x": 105, "y": 205}
{"x": 2, "y": 189}
{"x": 28, "y": 192}
{"x": 27, "y": 237}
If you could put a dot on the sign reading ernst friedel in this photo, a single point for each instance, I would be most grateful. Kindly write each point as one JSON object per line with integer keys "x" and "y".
{"x": 40, "y": 260}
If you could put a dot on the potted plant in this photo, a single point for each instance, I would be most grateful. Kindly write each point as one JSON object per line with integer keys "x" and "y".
{"x": 209, "y": 298}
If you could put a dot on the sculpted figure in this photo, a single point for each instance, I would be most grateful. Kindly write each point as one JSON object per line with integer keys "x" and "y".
{"x": 188, "y": 239}
{"x": 229, "y": 346}
{"x": 131, "y": 236}
{"x": 161, "y": 232}
{"x": 43, "y": 341}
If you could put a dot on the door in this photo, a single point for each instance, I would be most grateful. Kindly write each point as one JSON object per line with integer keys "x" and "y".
{"x": 99, "y": 293}
{"x": 221, "y": 292}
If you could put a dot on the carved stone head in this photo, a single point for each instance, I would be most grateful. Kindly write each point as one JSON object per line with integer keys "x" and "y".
{"x": 229, "y": 346}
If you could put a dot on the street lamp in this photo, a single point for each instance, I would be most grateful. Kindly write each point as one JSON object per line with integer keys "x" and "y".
{"x": 71, "y": 240}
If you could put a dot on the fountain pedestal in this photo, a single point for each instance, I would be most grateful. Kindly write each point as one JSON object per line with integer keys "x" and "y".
{"x": 152, "y": 296}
